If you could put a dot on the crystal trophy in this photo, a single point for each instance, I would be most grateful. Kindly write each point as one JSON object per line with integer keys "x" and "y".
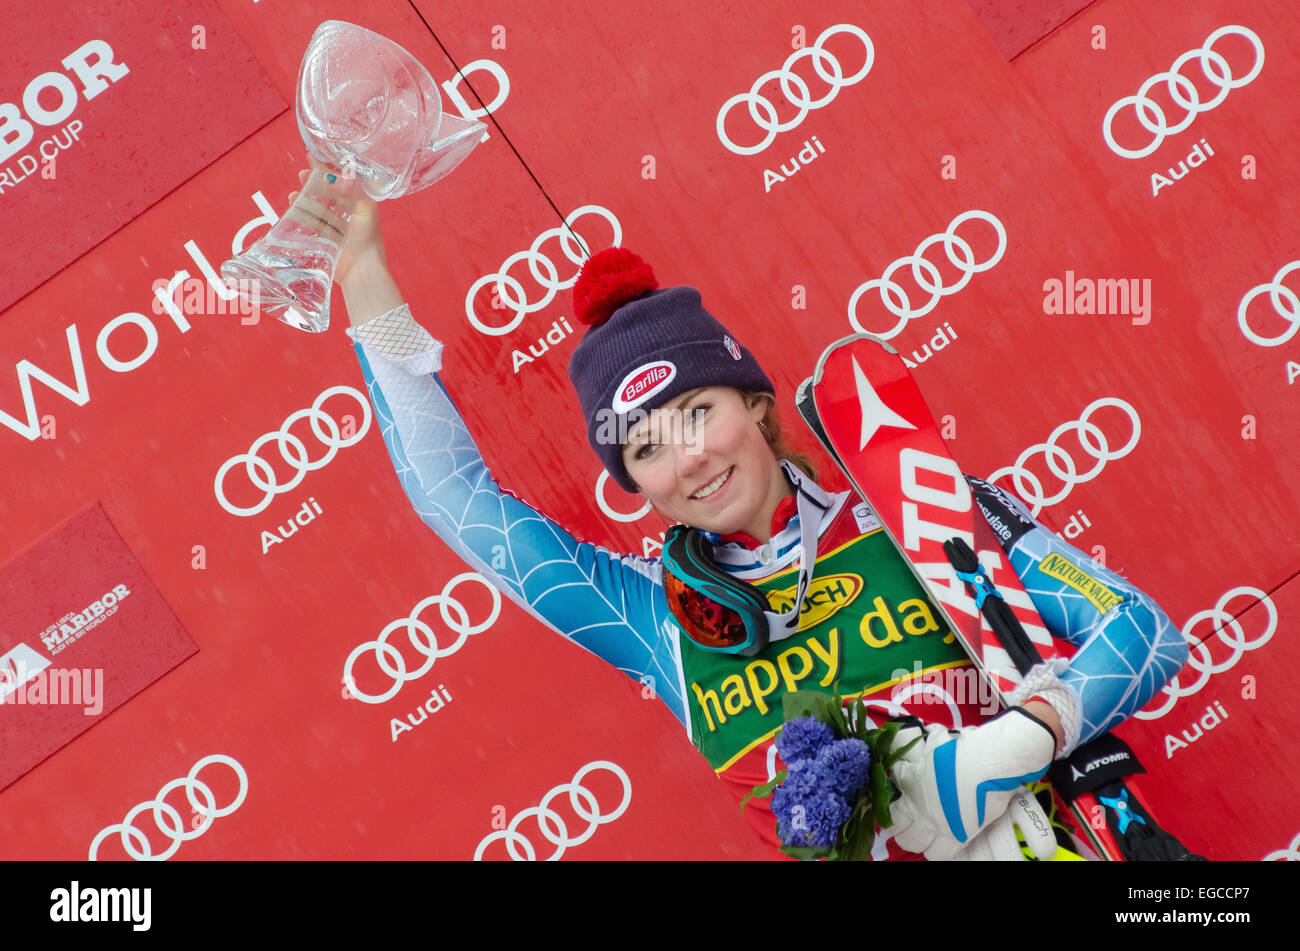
{"x": 370, "y": 108}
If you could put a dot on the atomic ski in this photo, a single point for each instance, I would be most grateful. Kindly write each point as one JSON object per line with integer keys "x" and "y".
{"x": 863, "y": 406}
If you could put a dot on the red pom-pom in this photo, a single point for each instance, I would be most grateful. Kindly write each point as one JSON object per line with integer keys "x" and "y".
{"x": 610, "y": 279}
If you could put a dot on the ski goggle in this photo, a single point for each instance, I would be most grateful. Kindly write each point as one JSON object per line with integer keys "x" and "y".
{"x": 719, "y": 612}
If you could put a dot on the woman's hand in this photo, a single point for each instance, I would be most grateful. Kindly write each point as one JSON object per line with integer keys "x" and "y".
{"x": 364, "y": 244}
{"x": 954, "y": 783}
{"x": 998, "y": 843}
{"x": 362, "y": 268}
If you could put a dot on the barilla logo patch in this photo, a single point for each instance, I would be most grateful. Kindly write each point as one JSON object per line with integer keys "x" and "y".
{"x": 731, "y": 348}
{"x": 642, "y": 383}
{"x": 825, "y": 596}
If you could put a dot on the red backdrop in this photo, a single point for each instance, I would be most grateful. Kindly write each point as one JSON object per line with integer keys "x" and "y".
{"x": 790, "y": 234}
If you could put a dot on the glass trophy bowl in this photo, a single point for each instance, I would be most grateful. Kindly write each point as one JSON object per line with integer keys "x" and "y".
{"x": 368, "y": 107}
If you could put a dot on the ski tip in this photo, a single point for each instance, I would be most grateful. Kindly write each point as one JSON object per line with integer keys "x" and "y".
{"x": 882, "y": 342}
{"x": 879, "y": 341}
{"x": 849, "y": 341}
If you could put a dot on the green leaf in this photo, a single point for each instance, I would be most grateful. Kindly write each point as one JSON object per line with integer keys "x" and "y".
{"x": 858, "y": 833}
{"x": 836, "y": 722}
{"x": 878, "y": 743}
{"x": 822, "y": 707}
{"x": 765, "y": 790}
{"x": 887, "y": 753}
{"x": 855, "y": 816}
{"x": 857, "y": 846}
{"x": 853, "y": 719}
{"x": 792, "y": 706}
{"x": 895, "y": 755}
{"x": 806, "y": 703}
{"x": 864, "y": 731}
{"x": 836, "y": 712}
{"x": 882, "y": 791}
{"x": 850, "y": 824}
{"x": 866, "y": 841}
{"x": 805, "y": 852}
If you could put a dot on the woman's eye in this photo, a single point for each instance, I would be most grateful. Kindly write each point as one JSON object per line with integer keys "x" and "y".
{"x": 698, "y": 411}
{"x": 644, "y": 451}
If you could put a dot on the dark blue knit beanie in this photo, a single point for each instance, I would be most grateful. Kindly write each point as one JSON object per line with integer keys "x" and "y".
{"x": 644, "y": 347}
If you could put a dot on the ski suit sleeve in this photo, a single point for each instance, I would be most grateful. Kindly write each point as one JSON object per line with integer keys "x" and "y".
{"x": 1127, "y": 649}
{"x": 611, "y": 605}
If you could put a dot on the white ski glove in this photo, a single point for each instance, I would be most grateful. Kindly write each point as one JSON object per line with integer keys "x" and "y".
{"x": 998, "y": 842}
{"x": 953, "y": 784}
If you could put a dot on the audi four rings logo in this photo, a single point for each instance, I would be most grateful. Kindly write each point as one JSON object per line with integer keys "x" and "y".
{"x": 1290, "y": 854}
{"x": 421, "y": 637}
{"x": 795, "y": 89}
{"x": 1214, "y": 67}
{"x": 1200, "y": 659}
{"x": 1285, "y": 304}
{"x": 516, "y": 298}
{"x": 894, "y": 296}
{"x": 548, "y": 818}
{"x": 1070, "y": 476}
{"x": 174, "y": 827}
{"x": 601, "y": 481}
{"x": 255, "y": 466}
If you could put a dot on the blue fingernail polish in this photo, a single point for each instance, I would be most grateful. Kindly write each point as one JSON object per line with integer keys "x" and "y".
{"x": 331, "y": 179}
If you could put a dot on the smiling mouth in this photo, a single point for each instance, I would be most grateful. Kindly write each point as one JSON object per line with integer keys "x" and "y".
{"x": 713, "y": 486}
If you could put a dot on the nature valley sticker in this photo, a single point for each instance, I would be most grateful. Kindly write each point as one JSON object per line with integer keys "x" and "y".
{"x": 825, "y": 596}
{"x": 1065, "y": 571}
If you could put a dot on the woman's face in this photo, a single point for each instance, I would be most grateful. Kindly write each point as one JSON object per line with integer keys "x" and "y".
{"x": 702, "y": 459}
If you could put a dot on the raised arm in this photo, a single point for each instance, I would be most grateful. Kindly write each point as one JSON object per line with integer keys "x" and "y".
{"x": 608, "y": 604}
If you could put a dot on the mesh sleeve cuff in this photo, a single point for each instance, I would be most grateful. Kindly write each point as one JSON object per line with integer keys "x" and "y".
{"x": 398, "y": 337}
{"x": 1043, "y": 682}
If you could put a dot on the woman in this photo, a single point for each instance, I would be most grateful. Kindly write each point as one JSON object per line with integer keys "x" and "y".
{"x": 678, "y": 411}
